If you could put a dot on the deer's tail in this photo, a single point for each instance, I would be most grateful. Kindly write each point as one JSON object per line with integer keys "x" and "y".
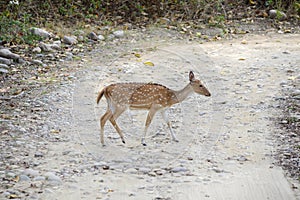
{"x": 100, "y": 95}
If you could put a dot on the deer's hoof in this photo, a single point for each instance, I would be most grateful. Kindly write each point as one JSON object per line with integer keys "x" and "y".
{"x": 175, "y": 140}
{"x": 123, "y": 141}
{"x": 144, "y": 144}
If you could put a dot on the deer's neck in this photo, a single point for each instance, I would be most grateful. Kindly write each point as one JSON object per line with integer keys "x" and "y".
{"x": 183, "y": 94}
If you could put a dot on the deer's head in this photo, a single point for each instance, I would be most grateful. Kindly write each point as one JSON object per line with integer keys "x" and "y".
{"x": 197, "y": 86}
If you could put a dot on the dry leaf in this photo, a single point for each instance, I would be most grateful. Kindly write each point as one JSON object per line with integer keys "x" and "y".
{"x": 252, "y": 2}
{"x": 13, "y": 196}
{"x": 244, "y": 42}
{"x": 54, "y": 131}
{"x": 16, "y": 179}
{"x": 242, "y": 58}
{"x": 292, "y": 78}
{"x": 149, "y": 63}
{"x": 137, "y": 55}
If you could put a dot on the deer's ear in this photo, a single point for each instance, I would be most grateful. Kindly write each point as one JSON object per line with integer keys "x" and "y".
{"x": 192, "y": 76}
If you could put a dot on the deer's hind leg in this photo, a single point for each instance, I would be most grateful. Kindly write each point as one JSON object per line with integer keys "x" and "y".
{"x": 103, "y": 120}
{"x": 113, "y": 118}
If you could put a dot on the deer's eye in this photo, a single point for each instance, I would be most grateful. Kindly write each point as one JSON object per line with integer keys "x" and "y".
{"x": 200, "y": 85}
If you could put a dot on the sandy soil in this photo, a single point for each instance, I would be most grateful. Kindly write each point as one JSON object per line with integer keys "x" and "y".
{"x": 225, "y": 141}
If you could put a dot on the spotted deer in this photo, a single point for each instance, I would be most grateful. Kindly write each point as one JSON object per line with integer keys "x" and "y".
{"x": 148, "y": 96}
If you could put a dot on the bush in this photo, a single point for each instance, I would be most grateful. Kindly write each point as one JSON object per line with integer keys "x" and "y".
{"x": 14, "y": 17}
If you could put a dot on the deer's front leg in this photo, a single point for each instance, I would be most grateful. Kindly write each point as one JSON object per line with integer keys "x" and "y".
{"x": 118, "y": 112}
{"x": 165, "y": 117}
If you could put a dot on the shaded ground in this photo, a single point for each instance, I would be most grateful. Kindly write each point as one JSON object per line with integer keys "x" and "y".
{"x": 226, "y": 142}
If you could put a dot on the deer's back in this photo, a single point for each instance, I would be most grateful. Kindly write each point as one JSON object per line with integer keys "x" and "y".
{"x": 139, "y": 95}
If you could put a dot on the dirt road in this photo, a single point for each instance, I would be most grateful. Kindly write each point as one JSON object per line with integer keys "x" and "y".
{"x": 225, "y": 141}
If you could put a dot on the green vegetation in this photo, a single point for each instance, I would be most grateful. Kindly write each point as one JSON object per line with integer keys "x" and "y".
{"x": 16, "y": 17}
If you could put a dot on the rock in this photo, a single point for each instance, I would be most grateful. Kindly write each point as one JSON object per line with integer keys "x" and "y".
{"x": 51, "y": 177}
{"x": 5, "y": 53}
{"x": 5, "y": 61}
{"x": 55, "y": 46}
{"x": 10, "y": 175}
{"x": 37, "y": 62}
{"x": 179, "y": 169}
{"x": 4, "y": 68}
{"x": 144, "y": 170}
{"x": 57, "y": 42}
{"x": 93, "y": 36}
{"x": 217, "y": 170}
{"x": 39, "y": 178}
{"x": 164, "y": 21}
{"x": 70, "y": 40}
{"x": 242, "y": 158}
{"x": 110, "y": 36}
{"x": 80, "y": 38}
{"x": 30, "y": 172}
{"x": 41, "y": 32}
{"x": 38, "y": 154}
{"x": 276, "y": 14}
{"x": 131, "y": 171}
{"x": 100, "y": 164}
{"x": 45, "y": 47}
{"x": 6, "y": 194}
{"x": 21, "y": 61}
{"x": 159, "y": 172}
{"x": 101, "y": 37}
{"x": 37, "y": 50}
{"x": 23, "y": 177}
{"x": 118, "y": 33}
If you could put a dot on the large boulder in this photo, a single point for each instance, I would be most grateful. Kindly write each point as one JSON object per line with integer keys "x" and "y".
{"x": 6, "y": 53}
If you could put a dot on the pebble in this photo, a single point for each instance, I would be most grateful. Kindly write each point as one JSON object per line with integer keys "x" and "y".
{"x": 242, "y": 159}
{"x": 10, "y": 175}
{"x": 131, "y": 171}
{"x": 23, "y": 177}
{"x": 55, "y": 46}
{"x": 110, "y": 36}
{"x": 41, "y": 32}
{"x": 217, "y": 170}
{"x": 101, "y": 37}
{"x": 118, "y": 33}
{"x": 45, "y": 47}
{"x": 31, "y": 172}
{"x": 37, "y": 62}
{"x": 6, "y": 53}
{"x": 70, "y": 40}
{"x": 5, "y": 61}
{"x": 39, "y": 178}
{"x": 179, "y": 169}
{"x": 93, "y": 36}
{"x": 4, "y": 68}
{"x": 276, "y": 14}
{"x": 37, "y": 50}
{"x": 80, "y": 38}
{"x": 159, "y": 172}
{"x": 38, "y": 154}
{"x": 51, "y": 177}
{"x": 144, "y": 170}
